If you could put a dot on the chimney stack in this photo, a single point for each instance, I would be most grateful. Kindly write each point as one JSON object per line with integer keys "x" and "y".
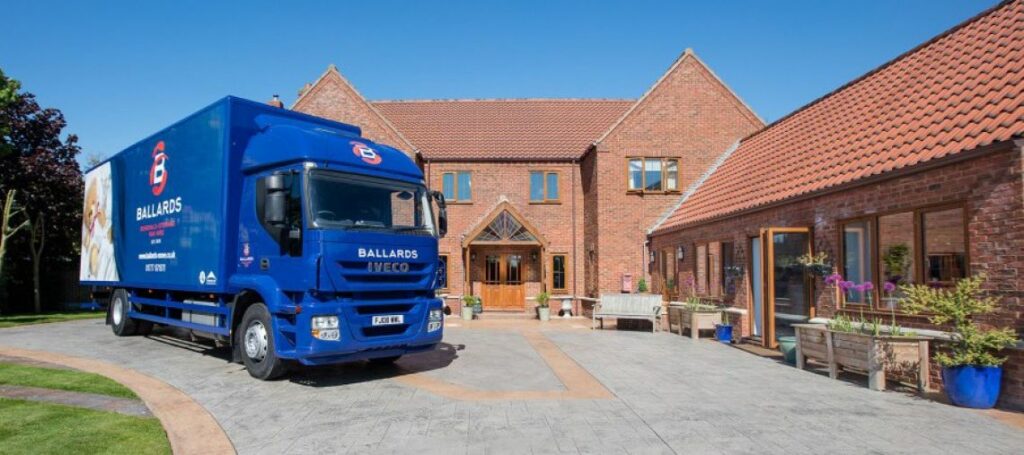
{"x": 276, "y": 102}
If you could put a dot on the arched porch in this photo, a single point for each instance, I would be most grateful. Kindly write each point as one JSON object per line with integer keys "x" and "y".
{"x": 504, "y": 259}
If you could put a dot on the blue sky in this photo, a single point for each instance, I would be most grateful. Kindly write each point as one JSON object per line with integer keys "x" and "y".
{"x": 122, "y": 70}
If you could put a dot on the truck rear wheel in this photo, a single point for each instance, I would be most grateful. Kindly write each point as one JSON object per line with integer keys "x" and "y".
{"x": 122, "y": 325}
{"x": 254, "y": 338}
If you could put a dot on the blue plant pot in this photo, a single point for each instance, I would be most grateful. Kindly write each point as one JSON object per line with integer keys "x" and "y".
{"x": 971, "y": 386}
{"x": 723, "y": 333}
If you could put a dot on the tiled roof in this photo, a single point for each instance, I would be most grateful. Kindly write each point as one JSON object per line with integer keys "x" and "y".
{"x": 961, "y": 90}
{"x": 515, "y": 129}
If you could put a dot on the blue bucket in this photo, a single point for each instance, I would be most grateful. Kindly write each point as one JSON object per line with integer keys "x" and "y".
{"x": 972, "y": 386}
{"x": 723, "y": 333}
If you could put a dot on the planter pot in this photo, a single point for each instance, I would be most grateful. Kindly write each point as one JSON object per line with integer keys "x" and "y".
{"x": 544, "y": 313}
{"x": 477, "y": 309}
{"x": 903, "y": 358}
{"x": 787, "y": 345}
{"x": 467, "y": 312}
{"x": 972, "y": 387}
{"x": 723, "y": 333}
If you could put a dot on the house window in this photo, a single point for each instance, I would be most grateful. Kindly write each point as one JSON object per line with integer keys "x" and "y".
{"x": 442, "y": 272}
{"x": 558, "y": 272}
{"x": 917, "y": 246}
{"x": 945, "y": 246}
{"x": 543, "y": 186}
{"x": 457, "y": 186}
{"x": 653, "y": 175}
{"x": 728, "y": 274}
{"x": 857, "y": 258}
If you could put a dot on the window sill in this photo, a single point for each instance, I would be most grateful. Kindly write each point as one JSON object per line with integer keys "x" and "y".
{"x": 458, "y": 202}
{"x": 545, "y": 202}
{"x": 642, "y": 192}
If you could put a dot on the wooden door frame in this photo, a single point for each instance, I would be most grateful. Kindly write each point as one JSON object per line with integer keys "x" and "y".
{"x": 751, "y": 284}
{"x": 768, "y": 268}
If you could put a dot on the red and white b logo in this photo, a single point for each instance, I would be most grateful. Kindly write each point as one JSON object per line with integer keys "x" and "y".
{"x": 158, "y": 171}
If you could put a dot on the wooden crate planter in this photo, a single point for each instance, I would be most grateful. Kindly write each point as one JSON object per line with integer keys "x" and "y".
{"x": 878, "y": 356}
{"x": 696, "y": 321}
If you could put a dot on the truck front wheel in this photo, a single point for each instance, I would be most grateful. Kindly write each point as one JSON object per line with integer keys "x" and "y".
{"x": 255, "y": 339}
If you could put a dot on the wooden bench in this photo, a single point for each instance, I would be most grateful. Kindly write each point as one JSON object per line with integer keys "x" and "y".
{"x": 628, "y": 306}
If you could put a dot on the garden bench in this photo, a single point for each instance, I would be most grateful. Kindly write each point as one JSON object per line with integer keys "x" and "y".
{"x": 628, "y": 306}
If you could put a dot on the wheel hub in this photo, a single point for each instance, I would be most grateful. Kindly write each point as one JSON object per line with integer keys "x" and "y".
{"x": 117, "y": 312}
{"x": 256, "y": 341}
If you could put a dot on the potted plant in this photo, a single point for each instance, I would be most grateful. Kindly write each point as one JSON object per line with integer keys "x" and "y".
{"x": 543, "y": 311}
{"x": 971, "y": 371}
{"x": 816, "y": 264}
{"x": 896, "y": 260}
{"x": 468, "y": 304}
{"x": 478, "y": 305}
{"x": 641, "y": 286}
{"x": 723, "y": 330}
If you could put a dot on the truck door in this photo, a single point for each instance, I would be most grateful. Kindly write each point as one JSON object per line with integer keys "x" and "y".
{"x": 282, "y": 218}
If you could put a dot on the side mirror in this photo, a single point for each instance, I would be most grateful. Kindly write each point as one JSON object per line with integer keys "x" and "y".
{"x": 442, "y": 213}
{"x": 275, "y": 208}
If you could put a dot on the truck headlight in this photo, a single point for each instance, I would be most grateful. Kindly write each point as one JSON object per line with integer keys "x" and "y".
{"x": 325, "y": 328}
{"x": 435, "y": 320}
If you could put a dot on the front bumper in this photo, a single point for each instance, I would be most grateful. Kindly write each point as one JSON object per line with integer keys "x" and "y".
{"x": 359, "y": 339}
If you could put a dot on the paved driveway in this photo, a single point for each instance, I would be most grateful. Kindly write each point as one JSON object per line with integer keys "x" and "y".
{"x": 514, "y": 388}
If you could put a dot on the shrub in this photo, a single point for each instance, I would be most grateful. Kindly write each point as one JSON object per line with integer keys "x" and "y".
{"x": 542, "y": 299}
{"x": 971, "y": 344}
{"x": 641, "y": 286}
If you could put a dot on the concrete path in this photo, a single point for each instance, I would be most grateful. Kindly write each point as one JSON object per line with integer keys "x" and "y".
{"x": 126, "y": 406}
{"x": 515, "y": 388}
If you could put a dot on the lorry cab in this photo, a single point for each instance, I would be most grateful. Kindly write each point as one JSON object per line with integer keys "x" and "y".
{"x": 311, "y": 244}
{"x": 346, "y": 229}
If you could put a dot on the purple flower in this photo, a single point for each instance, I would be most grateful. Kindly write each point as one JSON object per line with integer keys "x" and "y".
{"x": 846, "y": 285}
{"x": 889, "y": 287}
{"x": 867, "y": 286}
{"x": 834, "y": 278}
{"x": 859, "y": 287}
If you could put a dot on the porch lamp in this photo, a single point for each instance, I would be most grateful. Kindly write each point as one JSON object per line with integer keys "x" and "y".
{"x": 679, "y": 252}
{"x": 654, "y": 256}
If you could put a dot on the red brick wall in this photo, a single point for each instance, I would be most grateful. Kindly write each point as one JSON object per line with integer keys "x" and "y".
{"x": 335, "y": 99}
{"x": 990, "y": 186}
{"x": 492, "y": 182}
{"x": 689, "y": 115}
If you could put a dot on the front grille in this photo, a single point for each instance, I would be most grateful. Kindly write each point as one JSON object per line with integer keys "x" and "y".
{"x": 383, "y": 309}
{"x": 359, "y": 272}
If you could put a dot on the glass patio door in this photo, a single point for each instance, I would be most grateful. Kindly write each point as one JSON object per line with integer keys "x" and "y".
{"x": 787, "y": 287}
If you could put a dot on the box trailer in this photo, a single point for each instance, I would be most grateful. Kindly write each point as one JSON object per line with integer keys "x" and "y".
{"x": 289, "y": 237}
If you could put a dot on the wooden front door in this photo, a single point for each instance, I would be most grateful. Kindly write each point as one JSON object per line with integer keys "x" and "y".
{"x": 503, "y": 288}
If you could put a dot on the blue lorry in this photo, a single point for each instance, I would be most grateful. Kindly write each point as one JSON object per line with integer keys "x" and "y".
{"x": 288, "y": 237}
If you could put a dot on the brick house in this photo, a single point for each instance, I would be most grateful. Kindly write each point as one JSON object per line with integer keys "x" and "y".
{"x": 551, "y": 194}
{"x": 911, "y": 173}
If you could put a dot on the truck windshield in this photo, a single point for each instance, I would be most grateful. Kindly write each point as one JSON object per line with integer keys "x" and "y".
{"x": 349, "y": 201}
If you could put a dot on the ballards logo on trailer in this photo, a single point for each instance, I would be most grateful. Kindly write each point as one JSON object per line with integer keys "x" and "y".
{"x": 157, "y": 182}
{"x": 367, "y": 154}
{"x": 158, "y": 171}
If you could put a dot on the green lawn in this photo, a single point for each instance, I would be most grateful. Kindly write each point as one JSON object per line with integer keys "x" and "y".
{"x": 26, "y": 319}
{"x": 50, "y": 378}
{"x": 28, "y": 427}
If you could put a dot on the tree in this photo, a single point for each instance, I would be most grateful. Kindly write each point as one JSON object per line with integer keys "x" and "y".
{"x": 37, "y": 244}
{"x": 7, "y": 228}
{"x": 40, "y": 163}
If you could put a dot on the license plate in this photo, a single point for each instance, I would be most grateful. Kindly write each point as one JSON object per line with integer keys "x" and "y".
{"x": 392, "y": 319}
